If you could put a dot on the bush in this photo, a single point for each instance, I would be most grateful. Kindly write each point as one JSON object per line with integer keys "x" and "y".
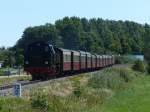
{"x": 123, "y": 60}
{"x": 110, "y": 78}
{"x": 148, "y": 67}
{"x": 124, "y": 74}
{"x": 139, "y": 66}
{"x": 39, "y": 101}
{"x": 118, "y": 60}
{"x": 0, "y": 106}
{"x": 77, "y": 91}
{"x": 1, "y": 72}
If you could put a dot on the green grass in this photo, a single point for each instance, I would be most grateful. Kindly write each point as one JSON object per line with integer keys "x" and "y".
{"x": 100, "y": 86}
{"x": 134, "y": 99}
{"x": 10, "y": 104}
{"x": 111, "y": 90}
{"x": 10, "y": 80}
{"x": 111, "y": 78}
{"x": 2, "y": 71}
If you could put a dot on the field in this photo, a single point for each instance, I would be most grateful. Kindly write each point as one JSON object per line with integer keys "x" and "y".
{"x": 109, "y": 90}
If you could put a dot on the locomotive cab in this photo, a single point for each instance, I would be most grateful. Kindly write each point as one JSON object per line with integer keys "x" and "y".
{"x": 40, "y": 58}
{"x": 39, "y": 54}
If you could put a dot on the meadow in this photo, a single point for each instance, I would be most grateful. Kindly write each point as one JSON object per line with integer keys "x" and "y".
{"x": 109, "y": 90}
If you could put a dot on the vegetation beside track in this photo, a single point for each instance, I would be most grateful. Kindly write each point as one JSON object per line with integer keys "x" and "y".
{"x": 133, "y": 99}
{"x": 10, "y": 80}
{"x": 109, "y": 90}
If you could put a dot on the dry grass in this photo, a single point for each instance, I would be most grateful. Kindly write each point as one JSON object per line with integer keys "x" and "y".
{"x": 10, "y": 80}
{"x": 76, "y": 94}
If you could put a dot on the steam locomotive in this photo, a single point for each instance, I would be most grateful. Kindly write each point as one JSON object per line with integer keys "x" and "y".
{"x": 44, "y": 61}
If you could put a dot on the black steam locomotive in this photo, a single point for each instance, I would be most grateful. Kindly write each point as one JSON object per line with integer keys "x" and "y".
{"x": 44, "y": 61}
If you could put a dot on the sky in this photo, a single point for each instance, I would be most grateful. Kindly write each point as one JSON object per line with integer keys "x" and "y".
{"x": 16, "y": 15}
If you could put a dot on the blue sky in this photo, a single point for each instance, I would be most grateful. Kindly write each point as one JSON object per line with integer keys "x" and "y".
{"x": 16, "y": 15}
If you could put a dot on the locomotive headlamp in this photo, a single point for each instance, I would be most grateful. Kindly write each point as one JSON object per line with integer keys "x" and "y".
{"x": 46, "y": 62}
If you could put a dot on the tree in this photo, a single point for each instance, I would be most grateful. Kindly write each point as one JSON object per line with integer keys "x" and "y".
{"x": 93, "y": 35}
{"x": 46, "y": 33}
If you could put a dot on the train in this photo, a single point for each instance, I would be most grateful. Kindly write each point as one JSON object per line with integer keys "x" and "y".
{"x": 43, "y": 61}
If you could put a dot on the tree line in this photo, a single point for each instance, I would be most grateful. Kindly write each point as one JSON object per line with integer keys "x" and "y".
{"x": 93, "y": 35}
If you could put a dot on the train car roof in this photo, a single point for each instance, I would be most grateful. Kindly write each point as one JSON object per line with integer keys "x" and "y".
{"x": 64, "y": 50}
{"x": 74, "y": 51}
{"x": 77, "y": 53}
{"x": 93, "y": 55}
{"x": 100, "y": 55}
{"x": 97, "y": 55}
{"x": 104, "y": 56}
{"x": 88, "y": 53}
{"x": 83, "y": 52}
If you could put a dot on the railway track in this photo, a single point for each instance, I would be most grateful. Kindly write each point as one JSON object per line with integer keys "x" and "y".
{"x": 23, "y": 83}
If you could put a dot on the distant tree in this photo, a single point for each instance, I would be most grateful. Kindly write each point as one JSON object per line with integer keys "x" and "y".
{"x": 85, "y": 25}
{"x": 19, "y": 58}
{"x": 46, "y": 32}
{"x": 8, "y": 57}
{"x": 93, "y": 35}
{"x": 70, "y": 30}
{"x": 147, "y": 45}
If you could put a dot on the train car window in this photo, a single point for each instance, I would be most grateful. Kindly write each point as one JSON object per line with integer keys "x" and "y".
{"x": 84, "y": 59}
{"x": 75, "y": 58}
{"x": 66, "y": 57}
{"x": 69, "y": 57}
{"x": 78, "y": 57}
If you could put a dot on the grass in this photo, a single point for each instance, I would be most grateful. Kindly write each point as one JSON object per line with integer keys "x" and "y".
{"x": 10, "y": 80}
{"x": 3, "y": 70}
{"x": 134, "y": 99}
{"x": 110, "y": 90}
{"x": 10, "y": 104}
{"x": 111, "y": 78}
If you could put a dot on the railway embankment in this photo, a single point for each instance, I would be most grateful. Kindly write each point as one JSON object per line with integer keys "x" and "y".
{"x": 117, "y": 89}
